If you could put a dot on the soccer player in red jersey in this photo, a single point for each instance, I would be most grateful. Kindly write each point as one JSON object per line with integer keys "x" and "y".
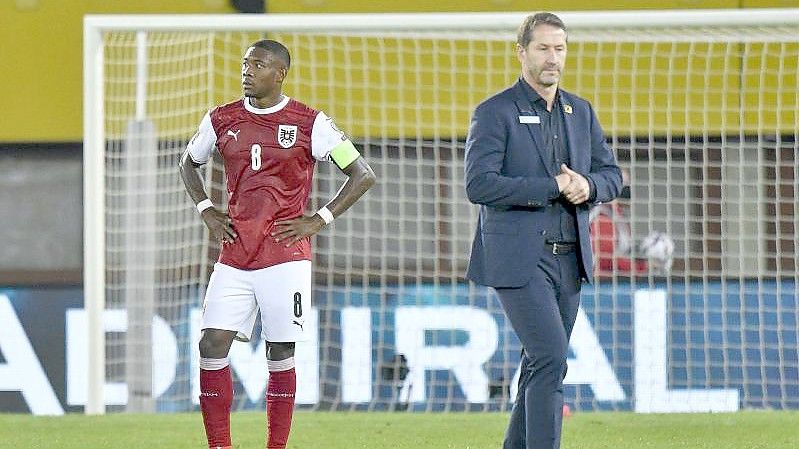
{"x": 615, "y": 250}
{"x": 612, "y": 241}
{"x": 270, "y": 144}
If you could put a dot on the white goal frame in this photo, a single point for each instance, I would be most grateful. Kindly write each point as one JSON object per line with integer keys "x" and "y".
{"x": 93, "y": 98}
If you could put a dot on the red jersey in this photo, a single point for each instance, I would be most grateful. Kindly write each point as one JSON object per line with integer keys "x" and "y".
{"x": 269, "y": 156}
{"x": 611, "y": 241}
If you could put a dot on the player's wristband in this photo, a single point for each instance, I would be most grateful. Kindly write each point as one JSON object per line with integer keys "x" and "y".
{"x": 326, "y": 215}
{"x": 204, "y": 204}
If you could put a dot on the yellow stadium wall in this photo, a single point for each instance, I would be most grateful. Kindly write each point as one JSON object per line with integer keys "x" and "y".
{"x": 41, "y": 81}
{"x": 512, "y": 5}
{"x": 488, "y": 5}
{"x": 633, "y": 94}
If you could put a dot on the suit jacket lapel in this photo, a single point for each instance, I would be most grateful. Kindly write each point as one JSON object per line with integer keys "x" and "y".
{"x": 522, "y": 104}
{"x": 568, "y": 126}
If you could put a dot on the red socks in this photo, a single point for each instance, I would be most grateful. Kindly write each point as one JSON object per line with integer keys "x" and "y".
{"x": 280, "y": 403}
{"x": 216, "y": 397}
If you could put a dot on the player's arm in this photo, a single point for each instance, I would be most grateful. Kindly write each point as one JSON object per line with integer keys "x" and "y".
{"x": 199, "y": 149}
{"x": 360, "y": 177}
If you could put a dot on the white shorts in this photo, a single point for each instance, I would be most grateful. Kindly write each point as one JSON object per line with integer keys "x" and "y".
{"x": 281, "y": 292}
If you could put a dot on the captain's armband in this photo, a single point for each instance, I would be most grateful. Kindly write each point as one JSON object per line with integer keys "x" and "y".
{"x": 344, "y": 154}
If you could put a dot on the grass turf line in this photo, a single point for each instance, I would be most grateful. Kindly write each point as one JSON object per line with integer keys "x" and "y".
{"x": 341, "y": 430}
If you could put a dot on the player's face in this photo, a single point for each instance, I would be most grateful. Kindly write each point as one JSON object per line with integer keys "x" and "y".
{"x": 261, "y": 73}
{"x": 545, "y": 56}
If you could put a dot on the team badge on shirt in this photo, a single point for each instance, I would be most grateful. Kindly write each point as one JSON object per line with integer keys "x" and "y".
{"x": 287, "y": 135}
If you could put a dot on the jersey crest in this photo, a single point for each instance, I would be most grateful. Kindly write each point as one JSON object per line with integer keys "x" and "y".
{"x": 287, "y": 135}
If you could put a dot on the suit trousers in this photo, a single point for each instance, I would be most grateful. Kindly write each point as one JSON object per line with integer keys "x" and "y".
{"x": 542, "y": 313}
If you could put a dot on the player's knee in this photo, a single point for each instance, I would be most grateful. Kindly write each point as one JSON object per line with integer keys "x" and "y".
{"x": 214, "y": 344}
{"x": 279, "y": 350}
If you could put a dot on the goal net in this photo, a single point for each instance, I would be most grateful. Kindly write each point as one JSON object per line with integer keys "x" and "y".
{"x": 699, "y": 107}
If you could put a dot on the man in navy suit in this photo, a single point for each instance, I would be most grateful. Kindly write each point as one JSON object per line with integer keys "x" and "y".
{"x": 536, "y": 161}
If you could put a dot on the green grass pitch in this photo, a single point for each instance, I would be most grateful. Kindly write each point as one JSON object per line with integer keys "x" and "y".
{"x": 322, "y": 430}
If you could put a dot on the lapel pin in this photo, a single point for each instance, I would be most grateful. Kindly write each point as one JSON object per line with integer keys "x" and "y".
{"x": 567, "y": 108}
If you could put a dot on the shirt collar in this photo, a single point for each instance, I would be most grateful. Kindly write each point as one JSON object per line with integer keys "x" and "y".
{"x": 280, "y": 105}
{"x": 533, "y": 96}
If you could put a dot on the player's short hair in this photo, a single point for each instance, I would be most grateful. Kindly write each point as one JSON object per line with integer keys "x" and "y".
{"x": 525, "y": 34}
{"x": 276, "y": 49}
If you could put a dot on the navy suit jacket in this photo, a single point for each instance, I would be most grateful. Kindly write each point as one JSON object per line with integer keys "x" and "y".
{"x": 509, "y": 174}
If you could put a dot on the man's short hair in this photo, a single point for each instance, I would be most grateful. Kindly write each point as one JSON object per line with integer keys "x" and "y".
{"x": 276, "y": 49}
{"x": 525, "y": 34}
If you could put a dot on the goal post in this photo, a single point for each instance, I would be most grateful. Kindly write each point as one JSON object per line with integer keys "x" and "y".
{"x": 699, "y": 106}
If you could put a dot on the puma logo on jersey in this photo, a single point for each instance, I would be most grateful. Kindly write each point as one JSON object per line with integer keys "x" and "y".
{"x": 298, "y": 324}
{"x": 234, "y": 134}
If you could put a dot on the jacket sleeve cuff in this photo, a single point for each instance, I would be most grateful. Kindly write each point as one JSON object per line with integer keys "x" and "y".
{"x": 591, "y": 189}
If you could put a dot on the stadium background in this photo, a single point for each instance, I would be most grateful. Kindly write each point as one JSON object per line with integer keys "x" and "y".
{"x": 40, "y": 138}
{"x": 41, "y": 132}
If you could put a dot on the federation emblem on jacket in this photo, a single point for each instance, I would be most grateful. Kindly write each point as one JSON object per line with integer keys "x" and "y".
{"x": 286, "y": 135}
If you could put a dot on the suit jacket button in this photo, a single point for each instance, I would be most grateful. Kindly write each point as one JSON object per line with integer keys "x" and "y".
{"x": 543, "y": 232}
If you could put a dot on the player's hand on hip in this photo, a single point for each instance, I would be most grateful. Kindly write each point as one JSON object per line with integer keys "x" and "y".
{"x": 296, "y": 229}
{"x": 578, "y": 190}
{"x": 220, "y": 225}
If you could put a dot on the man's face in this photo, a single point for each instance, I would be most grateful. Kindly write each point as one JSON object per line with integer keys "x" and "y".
{"x": 261, "y": 73}
{"x": 545, "y": 56}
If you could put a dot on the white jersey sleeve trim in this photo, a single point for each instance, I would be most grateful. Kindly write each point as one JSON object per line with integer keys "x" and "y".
{"x": 202, "y": 144}
{"x": 324, "y": 137}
